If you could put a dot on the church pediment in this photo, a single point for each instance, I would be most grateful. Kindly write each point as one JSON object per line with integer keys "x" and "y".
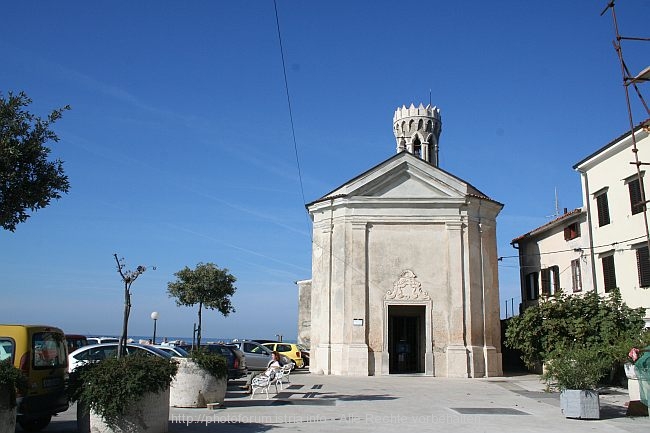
{"x": 406, "y": 184}
{"x": 403, "y": 176}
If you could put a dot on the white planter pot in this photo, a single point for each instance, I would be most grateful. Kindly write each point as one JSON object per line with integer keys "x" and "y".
{"x": 633, "y": 389}
{"x": 148, "y": 415}
{"x": 7, "y": 412}
{"x": 195, "y": 387}
{"x": 7, "y": 420}
{"x": 583, "y": 404}
{"x": 630, "y": 372}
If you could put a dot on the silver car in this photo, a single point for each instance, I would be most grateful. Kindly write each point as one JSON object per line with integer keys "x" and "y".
{"x": 257, "y": 356}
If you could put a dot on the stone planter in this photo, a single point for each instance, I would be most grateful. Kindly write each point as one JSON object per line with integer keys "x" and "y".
{"x": 582, "y": 404}
{"x": 195, "y": 387}
{"x": 7, "y": 412}
{"x": 149, "y": 415}
{"x": 633, "y": 389}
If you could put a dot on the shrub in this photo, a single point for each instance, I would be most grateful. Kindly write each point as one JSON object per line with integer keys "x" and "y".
{"x": 564, "y": 321}
{"x": 111, "y": 386}
{"x": 214, "y": 364}
{"x": 576, "y": 368}
{"x": 12, "y": 379}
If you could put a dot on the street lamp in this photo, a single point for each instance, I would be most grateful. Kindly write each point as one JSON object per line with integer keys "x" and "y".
{"x": 154, "y": 317}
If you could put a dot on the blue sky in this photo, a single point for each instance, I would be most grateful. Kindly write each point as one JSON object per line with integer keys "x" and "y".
{"x": 178, "y": 146}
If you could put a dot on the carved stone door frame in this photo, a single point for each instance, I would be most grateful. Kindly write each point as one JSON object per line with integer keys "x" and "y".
{"x": 407, "y": 291}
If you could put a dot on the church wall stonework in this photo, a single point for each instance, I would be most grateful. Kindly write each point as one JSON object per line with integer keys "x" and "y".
{"x": 409, "y": 238}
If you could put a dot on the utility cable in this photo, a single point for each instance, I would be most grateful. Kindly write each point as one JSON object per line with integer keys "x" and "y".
{"x": 576, "y": 249}
{"x": 286, "y": 88}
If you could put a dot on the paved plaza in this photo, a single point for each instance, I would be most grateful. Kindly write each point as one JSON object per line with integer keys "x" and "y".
{"x": 314, "y": 403}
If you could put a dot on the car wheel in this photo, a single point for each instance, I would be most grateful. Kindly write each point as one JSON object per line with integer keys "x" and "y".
{"x": 34, "y": 424}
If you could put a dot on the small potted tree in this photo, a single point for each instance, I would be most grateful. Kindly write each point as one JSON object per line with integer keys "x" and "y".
{"x": 128, "y": 394}
{"x": 11, "y": 379}
{"x": 202, "y": 379}
{"x": 576, "y": 371}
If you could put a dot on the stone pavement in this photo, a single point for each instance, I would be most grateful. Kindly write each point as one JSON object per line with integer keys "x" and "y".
{"x": 313, "y": 403}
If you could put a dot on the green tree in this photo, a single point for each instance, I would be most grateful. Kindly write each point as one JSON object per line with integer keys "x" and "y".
{"x": 563, "y": 322}
{"x": 208, "y": 286}
{"x": 28, "y": 181}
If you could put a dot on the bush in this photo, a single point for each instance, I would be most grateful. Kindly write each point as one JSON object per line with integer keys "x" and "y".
{"x": 111, "y": 386}
{"x": 214, "y": 364}
{"x": 576, "y": 368}
{"x": 12, "y": 379}
{"x": 563, "y": 322}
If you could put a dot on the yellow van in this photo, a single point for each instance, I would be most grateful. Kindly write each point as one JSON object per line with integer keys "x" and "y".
{"x": 40, "y": 352}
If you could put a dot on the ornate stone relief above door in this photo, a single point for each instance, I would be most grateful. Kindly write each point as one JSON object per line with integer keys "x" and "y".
{"x": 407, "y": 288}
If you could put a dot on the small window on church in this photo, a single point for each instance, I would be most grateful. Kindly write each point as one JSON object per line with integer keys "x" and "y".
{"x": 420, "y": 125}
{"x": 429, "y": 126}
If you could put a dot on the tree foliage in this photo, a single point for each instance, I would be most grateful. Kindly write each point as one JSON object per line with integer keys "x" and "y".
{"x": 207, "y": 285}
{"x": 564, "y": 322}
{"x": 28, "y": 181}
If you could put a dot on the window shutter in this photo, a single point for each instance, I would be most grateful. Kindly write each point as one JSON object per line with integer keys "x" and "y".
{"x": 556, "y": 279}
{"x": 546, "y": 282}
{"x": 636, "y": 201}
{"x": 603, "y": 209}
{"x": 575, "y": 274}
{"x": 643, "y": 266}
{"x": 609, "y": 273}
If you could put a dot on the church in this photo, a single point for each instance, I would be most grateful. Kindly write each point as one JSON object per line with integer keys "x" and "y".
{"x": 404, "y": 267}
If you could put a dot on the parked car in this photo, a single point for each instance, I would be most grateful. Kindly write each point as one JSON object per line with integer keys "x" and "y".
{"x": 74, "y": 341}
{"x": 235, "y": 358}
{"x": 257, "y": 355}
{"x": 304, "y": 352}
{"x": 40, "y": 352}
{"x": 173, "y": 350}
{"x": 100, "y": 340}
{"x": 290, "y": 350}
{"x": 97, "y": 352}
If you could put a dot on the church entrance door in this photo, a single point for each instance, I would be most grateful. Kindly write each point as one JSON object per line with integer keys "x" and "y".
{"x": 406, "y": 338}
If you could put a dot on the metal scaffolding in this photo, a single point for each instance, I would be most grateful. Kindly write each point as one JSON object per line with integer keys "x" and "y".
{"x": 633, "y": 81}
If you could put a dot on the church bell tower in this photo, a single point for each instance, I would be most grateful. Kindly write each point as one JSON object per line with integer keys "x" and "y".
{"x": 417, "y": 130}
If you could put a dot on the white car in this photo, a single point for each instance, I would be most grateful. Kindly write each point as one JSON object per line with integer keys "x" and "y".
{"x": 97, "y": 352}
{"x": 173, "y": 351}
{"x": 100, "y": 340}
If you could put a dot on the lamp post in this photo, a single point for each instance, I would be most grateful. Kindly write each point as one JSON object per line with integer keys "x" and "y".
{"x": 154, "y": 317}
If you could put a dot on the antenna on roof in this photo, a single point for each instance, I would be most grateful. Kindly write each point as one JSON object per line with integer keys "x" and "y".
{"x": 557, "y": 206}
{"x": 429, "y": 97}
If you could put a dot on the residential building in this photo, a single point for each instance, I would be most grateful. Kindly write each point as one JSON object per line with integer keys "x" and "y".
{"x": 602, "y": 245}
{"x": 555, "y": 258}
{"x": 611, "y": 193}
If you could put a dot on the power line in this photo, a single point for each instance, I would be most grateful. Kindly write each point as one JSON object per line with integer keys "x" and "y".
{"x": 286, "y": 88}
{"x": 576, "y": 249}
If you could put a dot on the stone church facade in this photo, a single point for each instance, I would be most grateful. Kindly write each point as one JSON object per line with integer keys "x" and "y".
{"x": 404, "y": 268}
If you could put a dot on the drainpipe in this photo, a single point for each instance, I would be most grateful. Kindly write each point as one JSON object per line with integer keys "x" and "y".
{"x": 591, "y": 232}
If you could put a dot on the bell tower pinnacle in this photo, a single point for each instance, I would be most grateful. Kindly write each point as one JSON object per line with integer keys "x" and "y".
{"x": 417, "y": 130}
